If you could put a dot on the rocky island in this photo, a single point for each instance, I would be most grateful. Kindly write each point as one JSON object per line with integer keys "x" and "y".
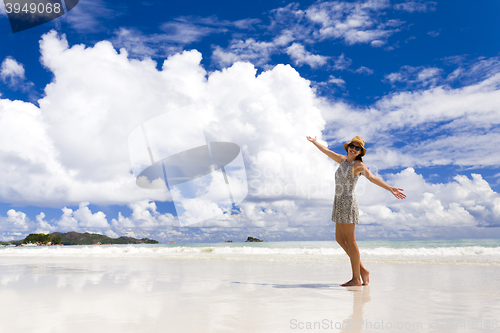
{"x": 252, "y": 239}
{"x": 76, "y": 238}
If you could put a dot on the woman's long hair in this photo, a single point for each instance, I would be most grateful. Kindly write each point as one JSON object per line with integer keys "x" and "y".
{"x": 359, "y": 158}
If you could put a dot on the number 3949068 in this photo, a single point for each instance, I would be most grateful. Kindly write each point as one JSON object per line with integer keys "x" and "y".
{"x": 32, "y": 8}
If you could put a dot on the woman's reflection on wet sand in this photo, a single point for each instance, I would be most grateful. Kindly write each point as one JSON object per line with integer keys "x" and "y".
{"x": 355, "y": 322}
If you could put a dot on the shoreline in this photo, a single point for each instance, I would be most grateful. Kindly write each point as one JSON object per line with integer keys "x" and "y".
{"x": 464, "y": 256}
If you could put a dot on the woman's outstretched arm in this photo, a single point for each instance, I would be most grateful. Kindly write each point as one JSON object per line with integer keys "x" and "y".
{"x": 334, "y": 156}
{"x": 361, "y": 167}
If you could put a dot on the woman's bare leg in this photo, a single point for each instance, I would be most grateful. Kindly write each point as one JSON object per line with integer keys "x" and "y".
{"x": 365, "y": 274}
{"x": 344, "y": 234}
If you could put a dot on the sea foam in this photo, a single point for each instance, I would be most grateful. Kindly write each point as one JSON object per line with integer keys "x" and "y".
{"x": 451, "y": 254}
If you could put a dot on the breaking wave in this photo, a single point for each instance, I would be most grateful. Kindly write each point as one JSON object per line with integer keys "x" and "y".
{"x": 449, "y": 255}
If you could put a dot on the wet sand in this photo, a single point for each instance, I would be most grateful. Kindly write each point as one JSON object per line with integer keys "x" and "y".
{"x": 169, "y": 295}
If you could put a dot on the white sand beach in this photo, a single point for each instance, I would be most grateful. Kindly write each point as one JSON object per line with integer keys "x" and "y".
{"x": 102, "y": 294}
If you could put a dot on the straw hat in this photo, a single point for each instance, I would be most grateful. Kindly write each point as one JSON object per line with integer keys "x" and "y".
{"x": 361, "y": 142}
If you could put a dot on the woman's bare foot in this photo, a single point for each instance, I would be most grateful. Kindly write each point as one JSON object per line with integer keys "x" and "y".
{"x": 352, "y": 282}
{"x": 365, "y": 276}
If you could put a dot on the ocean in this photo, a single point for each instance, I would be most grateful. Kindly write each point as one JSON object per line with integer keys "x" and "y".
{"x": 461, "y": 252}
{"x": 415, "y": 286}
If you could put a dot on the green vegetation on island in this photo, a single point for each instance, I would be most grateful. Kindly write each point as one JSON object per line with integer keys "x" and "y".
{"x": 77, "y": 238}
{"x": 252, "y": 239}
{"x": 45, "y": 239}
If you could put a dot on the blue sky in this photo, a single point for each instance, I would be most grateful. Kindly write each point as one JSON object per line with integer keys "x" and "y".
{"x": 418, "y": 80}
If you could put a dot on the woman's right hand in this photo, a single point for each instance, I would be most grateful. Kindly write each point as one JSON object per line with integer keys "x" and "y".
{"x": 311, "y": 138}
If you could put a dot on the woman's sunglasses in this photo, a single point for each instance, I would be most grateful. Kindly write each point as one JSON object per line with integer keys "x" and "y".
{"x": 354, "y": 147}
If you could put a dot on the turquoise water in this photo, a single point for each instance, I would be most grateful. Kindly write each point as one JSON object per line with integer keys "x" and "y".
{"x": 469, "y": 251}
{"x": 369, "y": 244}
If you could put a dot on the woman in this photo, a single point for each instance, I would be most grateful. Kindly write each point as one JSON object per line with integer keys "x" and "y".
{"x": 345, "y": 206}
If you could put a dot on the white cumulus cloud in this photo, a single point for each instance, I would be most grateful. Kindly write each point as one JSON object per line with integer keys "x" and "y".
{"x": 73, "y": 149}
{"x": 256, "y": 52}
{"x": 12, "y": 73}
{"x": 300, "y": 56}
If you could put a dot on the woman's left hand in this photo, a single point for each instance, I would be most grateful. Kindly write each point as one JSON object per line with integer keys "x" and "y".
{"x": 397, "y": 192}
